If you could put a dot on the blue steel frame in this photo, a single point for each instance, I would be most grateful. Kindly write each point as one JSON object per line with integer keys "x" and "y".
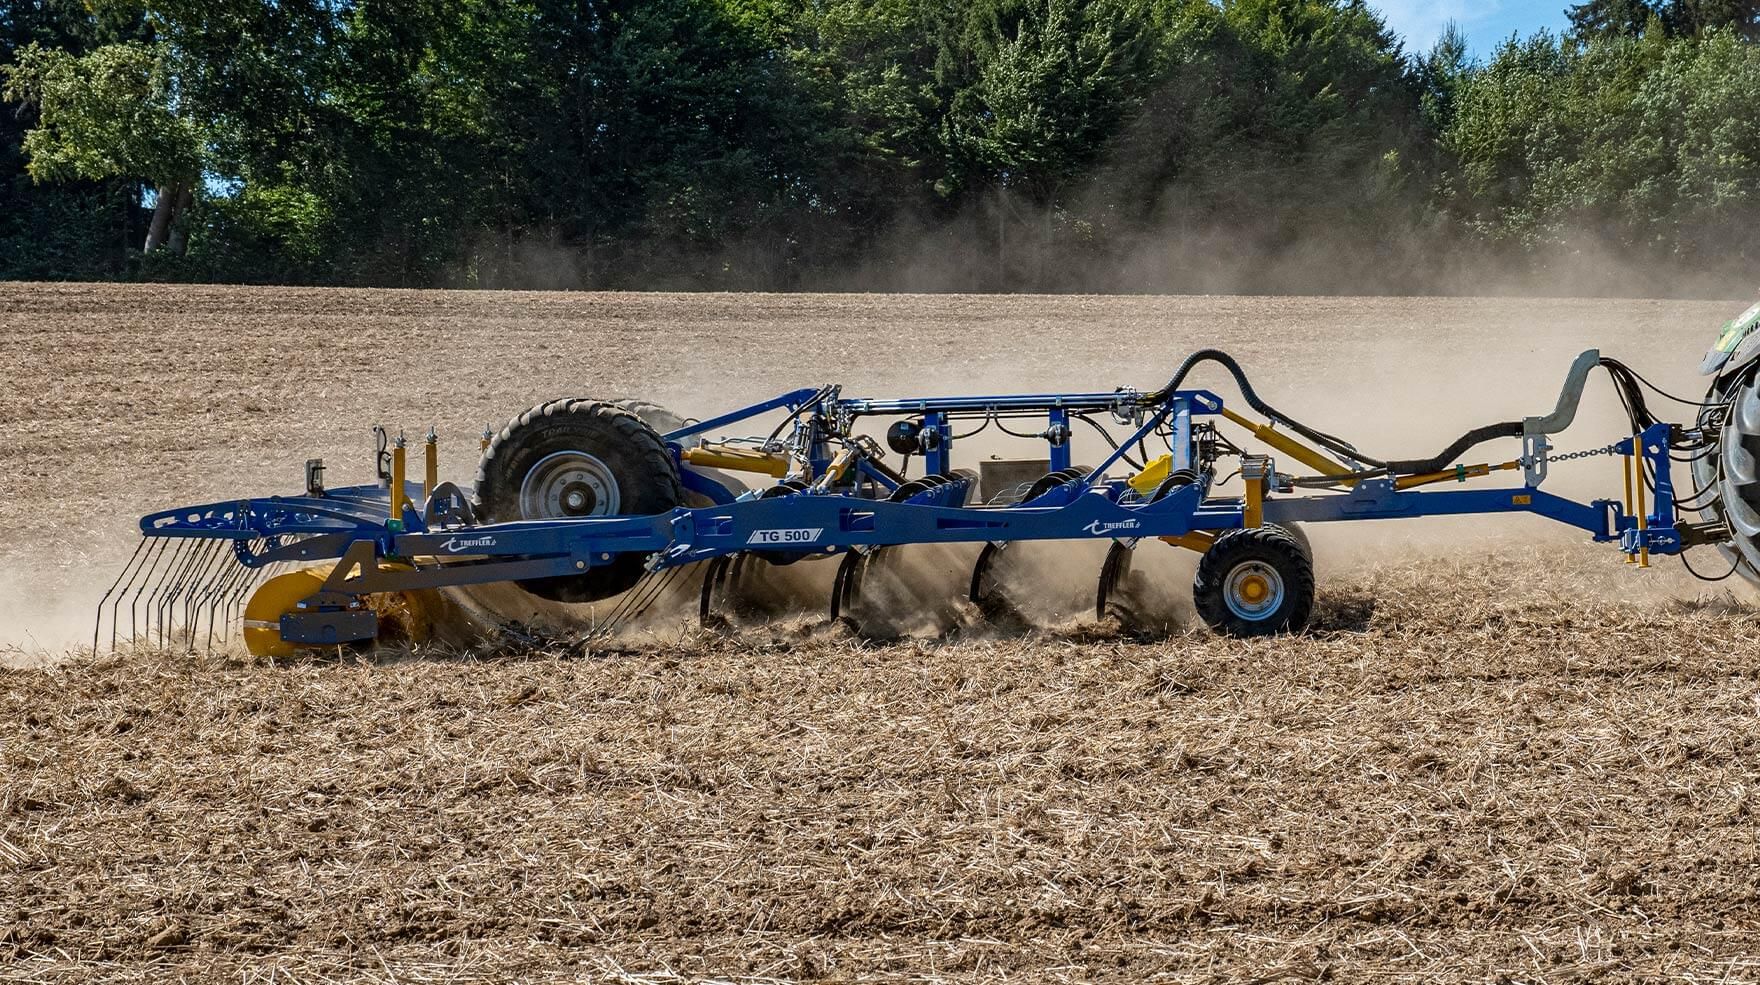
{"x": 351, "y": 524}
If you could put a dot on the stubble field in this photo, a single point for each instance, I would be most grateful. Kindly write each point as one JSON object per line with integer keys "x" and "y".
{"x": 1500, "y": 754}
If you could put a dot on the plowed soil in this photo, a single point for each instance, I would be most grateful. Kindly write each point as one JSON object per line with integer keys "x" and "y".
{"x": 1499, "y": 755}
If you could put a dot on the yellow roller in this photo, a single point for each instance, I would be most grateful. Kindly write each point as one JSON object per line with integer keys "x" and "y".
{"x": 272, "y": 600}
{"x": 406, "y": 617}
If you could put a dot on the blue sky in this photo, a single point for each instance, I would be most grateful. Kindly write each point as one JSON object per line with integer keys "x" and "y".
{"x": 1487, "y": 22}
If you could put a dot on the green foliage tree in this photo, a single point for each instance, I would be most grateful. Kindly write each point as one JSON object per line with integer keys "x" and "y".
{"x": 1605, "y": 18}
{"x": 76, "y": 229}
{"x": 781, "y": 143}
{"x": 1638, "y": 145}
{"x": 110, "y": 113}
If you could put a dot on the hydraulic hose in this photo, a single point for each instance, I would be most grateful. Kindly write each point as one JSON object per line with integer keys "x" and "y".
{"x": 1626, "y": 383}
{"x": 1226, "y": 361}
{"x": 1448, "y": 456}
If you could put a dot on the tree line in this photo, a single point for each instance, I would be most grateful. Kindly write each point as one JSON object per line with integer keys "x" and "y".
{"x": 1104, "y": 145}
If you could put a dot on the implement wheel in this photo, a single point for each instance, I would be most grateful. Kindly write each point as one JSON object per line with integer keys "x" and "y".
{"x": 1255, "y": 582}
{"x": 578, "y": 458}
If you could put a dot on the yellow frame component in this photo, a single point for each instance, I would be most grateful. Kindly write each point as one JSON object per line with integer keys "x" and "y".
{"x": 1197, "y": 540}
{"x": 431, "y": 456}
{"x": 1630, "y": 558}
{"x": 1643, "y": 552}
{"x": 1459, "y": 473}
{"x": 1253, "y": 516}
{"x": 399, "y": 472}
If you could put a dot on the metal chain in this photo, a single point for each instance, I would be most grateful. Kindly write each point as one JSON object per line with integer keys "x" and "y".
{"x": 1612, "y": 449}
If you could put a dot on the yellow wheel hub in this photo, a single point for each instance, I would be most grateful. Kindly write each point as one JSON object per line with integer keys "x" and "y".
{"x": 1254, "y": 589}
{"x": 403, "y": 616}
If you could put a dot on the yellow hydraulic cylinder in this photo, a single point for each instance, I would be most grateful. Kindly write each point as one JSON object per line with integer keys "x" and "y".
{"x": 1289, "y": 446}
{"x": 840, "y": 465}
{"x": 837, "y": 469}
{"x": 431, "y": 456}
{"x": 736, "y": 459}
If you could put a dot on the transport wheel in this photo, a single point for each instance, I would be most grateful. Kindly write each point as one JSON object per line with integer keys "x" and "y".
{"x": 1255, "y": 582}
{"x": 578, "y": 458}
{"x": 661, "y": 418}
{"x": 664, "y": 420}
{"x": 1300, "y": 536}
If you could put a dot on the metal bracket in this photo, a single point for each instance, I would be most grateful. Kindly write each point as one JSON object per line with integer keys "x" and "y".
{"x": 1534, "y": 449}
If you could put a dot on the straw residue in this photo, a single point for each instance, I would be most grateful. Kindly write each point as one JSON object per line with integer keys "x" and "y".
{"x": 1462, "y": 774}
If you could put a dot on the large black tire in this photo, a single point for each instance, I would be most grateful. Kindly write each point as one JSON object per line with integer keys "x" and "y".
{"x": 634, "y": 468}
{"x": 1734, "y": 469}
{"x": 664, "y": 420}
{"x": 661, "y": 418}
{"x": 1300, "y": 536}
{"x": 1239, "y": 559}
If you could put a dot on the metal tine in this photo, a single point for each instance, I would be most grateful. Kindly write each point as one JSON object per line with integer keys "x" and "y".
{"x": 647, "y": 595}
{"x": 217, "y": 597}
{"x": 225, "y": 566}
{"x": 233, "y": 602}
{"x": 235, "y": 598}
{"x": 236, "y": 601}
{"x": 145, "y": 578}
{"x": 126, "y": 572}
{"x": 640, "y": 598}
{"x": 173, "y": 578}
{"x": 185, "y": 593}
{"x": 212, "y": 571}
{"x": 169, "y": 563}
{"x": 167, "y": 605}
{"x": 610, "y": 622}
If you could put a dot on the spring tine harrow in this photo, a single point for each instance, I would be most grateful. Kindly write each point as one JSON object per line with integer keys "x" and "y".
{"x": 140, "y": 607}
{"x": 116, "y": 590}
{"x": 219, "y": 567}
{"x": 638, "y": 600}
{"x": 163, "y": 576}
{"x": 173, "y": 590}
{"x": 219, "y": 609}
{"x": 235, "y": 600}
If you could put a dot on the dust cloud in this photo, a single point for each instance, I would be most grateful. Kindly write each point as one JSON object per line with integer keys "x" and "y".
{"x": 1399, "y": 377}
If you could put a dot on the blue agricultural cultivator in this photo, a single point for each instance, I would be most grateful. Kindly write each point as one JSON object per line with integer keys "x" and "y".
{"x": 583, "y": 501}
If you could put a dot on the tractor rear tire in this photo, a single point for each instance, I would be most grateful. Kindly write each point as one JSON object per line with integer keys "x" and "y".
{"x": 578, "y": 458}
{"x": 1734, "y": 468}
{"x": 1255, "y": 582}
